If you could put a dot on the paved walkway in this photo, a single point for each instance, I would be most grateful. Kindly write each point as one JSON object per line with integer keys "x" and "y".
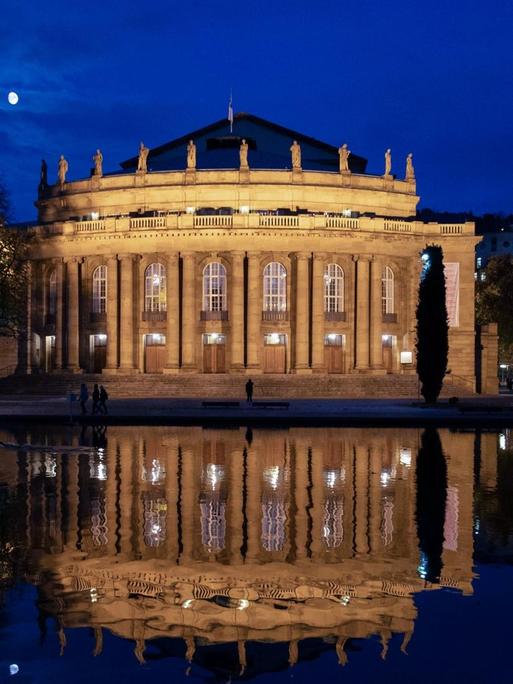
{"x": 473, "y": 411}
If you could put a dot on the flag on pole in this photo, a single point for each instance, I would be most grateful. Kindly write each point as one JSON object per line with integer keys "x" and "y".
{"x": 230, "y": 113}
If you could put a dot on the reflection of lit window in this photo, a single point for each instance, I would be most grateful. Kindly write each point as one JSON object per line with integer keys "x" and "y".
{"x": 387, "y": 522}
{"x": 154, "y": 525}
{"x": 97, "y": 466}
{"x": 405, "y": 457}
{"x": 213, "y": 524}
{"x": 99, "y": 527}
{"x": 274, "y": 514}
{"x": 156, "y": 474}
{"x": 385, "y": 478}
{"x": 333, "y": 511}
{"x": 502, "y": 442}
{"x": 50, "y": 466}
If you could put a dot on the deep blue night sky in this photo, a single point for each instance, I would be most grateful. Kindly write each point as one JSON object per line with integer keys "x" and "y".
{"x": 434, "y": 78}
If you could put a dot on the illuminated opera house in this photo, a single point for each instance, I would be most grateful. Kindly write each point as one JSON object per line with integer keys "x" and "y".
{"x": 241, "y": 249}
{"x": 162, "y": 536}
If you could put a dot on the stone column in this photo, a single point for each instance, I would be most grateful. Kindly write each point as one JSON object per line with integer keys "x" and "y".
{"x": 254, "y": 311}
{"x": 189, "y": 312}
{"x": 318, "y": 313}
{"x": 302, "y": 297}
{"x": 112, "y": 313}
{"x": 172, "y": 315}
{"x": 376, "y": 316}
{"x": 254, "y": 504}
{"x": 59, "y": 308}
{"x": 73, "y": 316}
{"x": 317, "y": 493}
{"x": 189, "y": 504}
{"x": 126, "y": 332}
{"x": 236, "y": 312}
{"x": 362, "y": 313}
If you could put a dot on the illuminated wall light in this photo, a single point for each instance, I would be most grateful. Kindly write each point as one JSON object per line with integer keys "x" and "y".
{"x": 243, "y": 604}
{"x": 187, "y": 603}
{"x": 405, "y": 457}
{"x": 502, "y": 442}
{"x": 244, "y": 209}
{"x": 386, "y": 338}
{"x": 406, "y": 357}
{"x": 95, "y": 215}
{"x": 190, "y": 210}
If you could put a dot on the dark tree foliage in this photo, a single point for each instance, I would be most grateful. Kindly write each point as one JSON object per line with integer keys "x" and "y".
{"x": 431, "y": 503}
{"x": 13, "y": 273}
{"x": 432, "y": 325}
{"x": 494, "y": 301}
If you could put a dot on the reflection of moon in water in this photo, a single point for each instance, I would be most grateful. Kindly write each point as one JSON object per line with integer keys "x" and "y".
{"x": 13, "y": 97}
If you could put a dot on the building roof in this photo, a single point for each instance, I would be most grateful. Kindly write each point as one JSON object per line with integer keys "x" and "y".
{"x": 269, "y": 148}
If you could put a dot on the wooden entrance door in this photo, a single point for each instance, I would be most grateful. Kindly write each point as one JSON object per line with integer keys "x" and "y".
{"x": 154, "y": 358}
{"x": 274, "y": 358}
{"x": 334, "y": 359}
{"x": 388, "y": 357}
{"x": 214, "y": 358}
{"x": 99, "y": 354}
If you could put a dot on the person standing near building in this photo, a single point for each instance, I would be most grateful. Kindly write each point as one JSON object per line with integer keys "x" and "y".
{"x": 249, "y": 391}
{"x": 103, "y": 400}
{"x": 83, "y": 397}
{"x": 96, "y": 400}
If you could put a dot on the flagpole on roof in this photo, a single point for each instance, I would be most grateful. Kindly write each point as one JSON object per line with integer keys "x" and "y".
{"x": 230, "y": 111}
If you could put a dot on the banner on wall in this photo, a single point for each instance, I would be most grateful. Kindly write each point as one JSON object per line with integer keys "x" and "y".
{"x": 452, "y": 293}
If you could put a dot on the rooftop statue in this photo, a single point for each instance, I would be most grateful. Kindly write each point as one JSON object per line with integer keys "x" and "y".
{"x": 142, "y": 162}
{"x": 98, "y": 161}
{"x": 388, "y": 162}
{"x": 63, "y": 170}
{"x": 243, "y": 153}
{"x": 191, "y": 155}
{"x": 343, "y": 154}
{"x": 410, "y": 171}
{"x": 296, "y": 155}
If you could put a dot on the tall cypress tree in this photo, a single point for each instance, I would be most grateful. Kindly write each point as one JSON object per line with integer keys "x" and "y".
{"x": 432, "y": 324}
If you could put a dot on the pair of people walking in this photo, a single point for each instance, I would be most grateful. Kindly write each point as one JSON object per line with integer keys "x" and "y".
{"x": 99, "y": 397}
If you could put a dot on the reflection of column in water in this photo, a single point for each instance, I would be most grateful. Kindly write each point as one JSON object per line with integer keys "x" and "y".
{"x": 235, "y": 487}
{"x": 154, "y": 507}
{"x": 72, "y": 499}
{"x": 253, "y": 510}
{"x": 187, "y": 501}
{"x": 317, "y": 498}
{"x": 302, "y": 481}
{"x": 362, "y": 498}
{"x": 127, "y": 506}
{"x": 376, "y": 500}
{"x": 172, "y": 500}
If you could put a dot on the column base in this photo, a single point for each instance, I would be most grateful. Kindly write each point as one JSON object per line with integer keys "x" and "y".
{"x": 125, "y": 371}
{"x": 171, "y": 370}
{"x": 73, "y": 369}
{"x": 253, "y": 370}
{"x": 302, "y": 371}
{"x": 237, "y": 368}
{"x": 188, "y": 369}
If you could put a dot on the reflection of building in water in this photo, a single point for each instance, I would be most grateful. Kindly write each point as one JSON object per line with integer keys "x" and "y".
{"x": 196, "y": 534}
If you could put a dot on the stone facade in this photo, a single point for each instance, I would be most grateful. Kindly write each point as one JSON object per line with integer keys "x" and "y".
{"x": 313, "y": 226}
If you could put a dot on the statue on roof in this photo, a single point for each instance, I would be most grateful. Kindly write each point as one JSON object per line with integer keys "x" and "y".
{"x": 142, "y": 162}
{"x": 388, "y": 162}
{"x": 296, "y": 155}
{"x": 243, "y": 153}
{"x": 343, "y": 155}
{"x": 98, "y": 161}
{"x": 410, "y": 171}
{"x": 191, "y": 155}
{"x": 63, "y": 170}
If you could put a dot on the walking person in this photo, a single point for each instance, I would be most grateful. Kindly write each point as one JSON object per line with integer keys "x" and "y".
{"x": 249, "y": 391}
{"x": 96, "y": 400}
{"x": 103, "y": 400}
{"x": 83, "y": 397}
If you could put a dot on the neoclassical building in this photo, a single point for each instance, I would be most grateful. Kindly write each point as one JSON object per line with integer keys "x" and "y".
{"x": 240, "y": 249}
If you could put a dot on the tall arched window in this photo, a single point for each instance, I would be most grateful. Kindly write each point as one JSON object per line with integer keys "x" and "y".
{"x": 334, "y": 288}
{"x": 100, "y": 289}
{"x": 52, "y": 293}
{"x": 387, "y": 291}
{"x": 214, "y": 287}
{"x": 155, "y": 288}
{"x": 275, "y": 287}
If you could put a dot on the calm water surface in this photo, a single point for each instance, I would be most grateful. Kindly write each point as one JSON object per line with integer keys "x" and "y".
{"x": 184, "y": 554}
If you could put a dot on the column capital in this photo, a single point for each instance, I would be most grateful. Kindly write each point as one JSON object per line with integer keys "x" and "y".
{"x": 320, "y": 256}
{"x": 112, "y": 257}
{"x": 237, "y": 254}
{"x": 73, "y": 260}
{"x": 172, "y": 258}
{"x": 127, "y": 257}
{"x": 302, "y": 256}
{"x": 254, "y": 255}
{"x": 188, "y": 255}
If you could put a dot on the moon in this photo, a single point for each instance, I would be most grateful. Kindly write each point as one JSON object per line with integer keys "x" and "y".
{"x": 13, "y": 98}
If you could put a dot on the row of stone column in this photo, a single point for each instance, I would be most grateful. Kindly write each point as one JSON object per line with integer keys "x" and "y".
{"x": 367, "y": 328}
